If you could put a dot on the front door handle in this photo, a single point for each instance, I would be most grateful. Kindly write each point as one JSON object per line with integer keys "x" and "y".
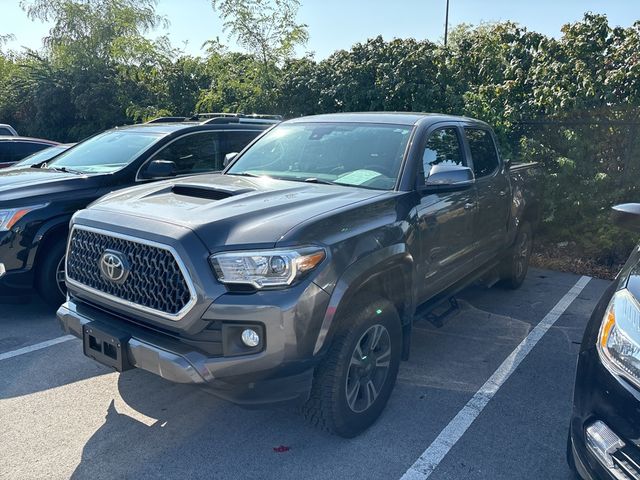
{"x": 470, "y": 206}
{"x": 502, "y": 193}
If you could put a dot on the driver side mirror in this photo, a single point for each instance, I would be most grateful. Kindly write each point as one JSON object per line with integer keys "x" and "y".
{"x": 448, "y": 178}
{"x": 160, "y": 169}
{"x": 627, "y": 216}
{"x": 228, "y": 157}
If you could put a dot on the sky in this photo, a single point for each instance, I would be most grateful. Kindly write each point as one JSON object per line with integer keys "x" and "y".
{"x": 338, "y": 24}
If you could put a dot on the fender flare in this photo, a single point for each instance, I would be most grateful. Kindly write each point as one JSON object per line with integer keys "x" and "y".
{"x": 61, "y": 221}
{"x": 357, "y": 275}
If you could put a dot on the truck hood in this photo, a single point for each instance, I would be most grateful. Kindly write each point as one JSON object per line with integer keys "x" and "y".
{"x": 20, "y": 184}
{"x": 229, "y": 209}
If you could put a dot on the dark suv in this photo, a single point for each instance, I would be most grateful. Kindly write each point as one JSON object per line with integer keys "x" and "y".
{"x": 37, "y": 202}
{"x": 297, "y": 273}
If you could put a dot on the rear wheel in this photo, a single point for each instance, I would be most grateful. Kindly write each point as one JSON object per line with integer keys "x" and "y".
{"x": 354, "y": 382}
{"x": 51, "y": 272}
{"x": 515, "y": 266}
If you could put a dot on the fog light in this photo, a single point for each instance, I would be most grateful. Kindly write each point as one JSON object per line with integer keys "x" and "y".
{"x": 250, "y": 338}
{"x": 602, "y": 442}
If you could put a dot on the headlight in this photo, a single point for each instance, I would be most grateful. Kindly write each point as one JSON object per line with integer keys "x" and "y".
{"x": 619, "y": 338}
{"x": 9, "y": 217}
{"x": 266, "y": 268}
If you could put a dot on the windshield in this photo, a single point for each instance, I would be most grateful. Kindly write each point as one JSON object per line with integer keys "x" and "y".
{"x": 41, "y": 156}
{"x": 105, "y": 153}
{"x": 364, "y": 155}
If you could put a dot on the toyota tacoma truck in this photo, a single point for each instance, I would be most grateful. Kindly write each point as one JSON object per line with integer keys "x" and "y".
{"x": 296, "y": 274}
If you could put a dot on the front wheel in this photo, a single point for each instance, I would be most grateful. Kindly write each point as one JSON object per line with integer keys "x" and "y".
{"x": 50, "y": 279}
{"x": 354, "y": 382}
{"x": 515, "y": 266}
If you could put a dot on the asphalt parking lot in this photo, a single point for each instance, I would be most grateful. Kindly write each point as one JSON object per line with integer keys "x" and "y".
{"x": 64, "y": 416}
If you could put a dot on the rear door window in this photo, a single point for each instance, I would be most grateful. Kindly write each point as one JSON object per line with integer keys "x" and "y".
{"x": 483, "y": 151}
{"x": 204, "y": 151}
{"x": 192, "y": 153}
{"x": 235, "y": 141}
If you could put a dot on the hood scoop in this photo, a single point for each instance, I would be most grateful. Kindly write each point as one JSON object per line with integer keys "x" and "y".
{"x": 207, "y": 192}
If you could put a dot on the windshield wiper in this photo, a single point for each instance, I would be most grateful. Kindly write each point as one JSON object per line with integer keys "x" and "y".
{"x": 246, "y": 174}
{"x": 65, "y": 170}
{"x": 318, "y": 180}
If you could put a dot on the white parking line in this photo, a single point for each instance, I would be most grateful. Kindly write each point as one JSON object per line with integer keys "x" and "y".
{"x": 37, "y": 346}
{"x": 433, "y": 455}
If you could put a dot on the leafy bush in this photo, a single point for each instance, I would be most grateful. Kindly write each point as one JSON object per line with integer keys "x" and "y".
{"x": 571, "y": 104}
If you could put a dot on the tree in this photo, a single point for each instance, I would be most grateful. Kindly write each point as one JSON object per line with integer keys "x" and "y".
{"x": 98, "y": 58}
{"x": 265, "y": 28}
{"x": 4, "y": 38}
{"x": 98, "y": 30}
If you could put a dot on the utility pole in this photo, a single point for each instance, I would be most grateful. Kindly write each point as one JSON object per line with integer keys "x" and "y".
{"x": 446, "y": 24}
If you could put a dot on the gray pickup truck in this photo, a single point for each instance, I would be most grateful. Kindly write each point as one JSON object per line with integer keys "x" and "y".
{"x": 297, "y": 273}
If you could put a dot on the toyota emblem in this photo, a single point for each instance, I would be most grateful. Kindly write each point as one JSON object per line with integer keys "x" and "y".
{"x": 114, "y": 266}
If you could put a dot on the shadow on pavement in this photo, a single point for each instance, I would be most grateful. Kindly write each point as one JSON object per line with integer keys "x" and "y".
{"x": 174, "y": 430}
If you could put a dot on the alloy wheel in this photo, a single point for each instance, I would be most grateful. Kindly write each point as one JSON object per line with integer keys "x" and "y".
{"x": 522, "y": 254}
{"x": 60, "y": 277}
{"x": 368, "y": 368}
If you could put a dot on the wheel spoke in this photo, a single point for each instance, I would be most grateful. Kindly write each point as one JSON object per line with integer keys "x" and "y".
{"x": 352, "y": 393}
{"x": 60, "y": 276}
{"x": 368, "y": 368}
{"x": 356, "y": 359}
{"x": 383, "y": 360}
{"x": 375, "y": 337}
{"x": 371, "y": 393}
{"x": 524, "y": 246}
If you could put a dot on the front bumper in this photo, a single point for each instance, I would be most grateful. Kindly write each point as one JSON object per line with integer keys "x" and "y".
{"x": 15, "y": 284}
{"x": 601, "y": 396}
{"x": 16, "y": 274}
{"x": 281, "y": 371}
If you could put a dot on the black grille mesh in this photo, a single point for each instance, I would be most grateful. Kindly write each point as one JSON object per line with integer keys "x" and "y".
{"x": 155, "y": 280}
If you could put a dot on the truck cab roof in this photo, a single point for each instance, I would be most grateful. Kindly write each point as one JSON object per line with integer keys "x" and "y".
{"x": 391, "y": 118}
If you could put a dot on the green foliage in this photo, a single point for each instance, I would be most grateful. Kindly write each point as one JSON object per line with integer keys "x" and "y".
{"x": 266, "y": 28}
{"x": 572, "y": 104}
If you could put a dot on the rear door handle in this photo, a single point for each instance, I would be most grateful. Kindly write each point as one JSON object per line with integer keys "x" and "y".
{"x": 502, "y": 193}
{"x": 469, "y": 206}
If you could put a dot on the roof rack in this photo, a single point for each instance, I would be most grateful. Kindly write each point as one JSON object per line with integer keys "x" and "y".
{"x": 239, "y": 118}
{"x": 215, "y": 117}
{"x": 168, "y": 120}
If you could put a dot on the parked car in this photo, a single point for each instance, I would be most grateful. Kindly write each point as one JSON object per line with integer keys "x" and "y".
{"x": 296, "y": 274}
{"x": 6, "y": 129}
{"x": 42, "y": 156}
{"x": 37, "y": 203}
{"x": 13, "y": 149}
{"x": 605, "y": 423}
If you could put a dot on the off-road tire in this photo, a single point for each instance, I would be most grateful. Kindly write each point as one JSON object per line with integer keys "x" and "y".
{"x": 515, "y": 266}
{"x": 328, "y": 407}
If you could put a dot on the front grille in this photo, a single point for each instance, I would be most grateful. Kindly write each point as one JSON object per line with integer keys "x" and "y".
{"x": 627, "y": 459}
{"x": 154, "y": 281}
